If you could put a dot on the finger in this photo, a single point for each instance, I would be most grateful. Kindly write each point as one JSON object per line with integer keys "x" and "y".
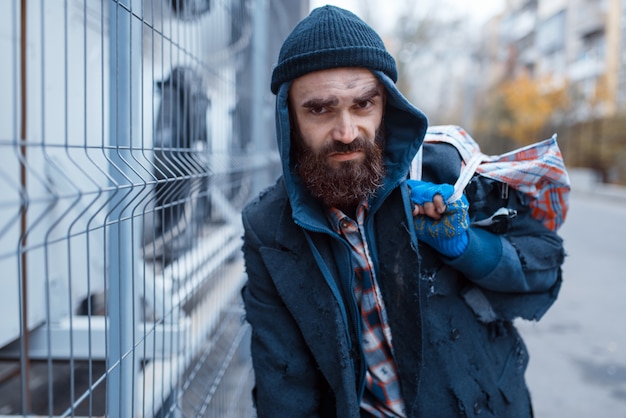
{"x": 431, "y": 210}
{"x": 416, "y": 210}
{"x": 440, "y": 204}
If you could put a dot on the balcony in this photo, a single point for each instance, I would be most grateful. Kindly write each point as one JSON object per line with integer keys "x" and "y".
{"x": 585, "y": 69}
{"x": 518, "y": 26}
{"x": 590, "y": 17}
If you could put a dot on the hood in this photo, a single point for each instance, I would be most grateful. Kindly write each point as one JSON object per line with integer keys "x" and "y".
{"x": 405, "y": 127}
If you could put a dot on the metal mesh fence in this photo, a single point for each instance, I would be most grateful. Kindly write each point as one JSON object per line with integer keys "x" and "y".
{"x": 126, "y": 154}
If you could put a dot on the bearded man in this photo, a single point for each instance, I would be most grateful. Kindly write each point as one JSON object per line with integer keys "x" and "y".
{"x": 354, "y": 313}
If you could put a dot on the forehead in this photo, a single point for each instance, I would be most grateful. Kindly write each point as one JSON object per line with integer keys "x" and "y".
{"x": 335, "y": 82}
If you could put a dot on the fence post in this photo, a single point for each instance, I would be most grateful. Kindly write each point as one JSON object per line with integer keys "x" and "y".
{"x": 260, "y": 85}
{"x": 122, "y": 364}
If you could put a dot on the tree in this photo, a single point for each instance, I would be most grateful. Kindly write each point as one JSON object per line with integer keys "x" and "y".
{"x": 531, "y": 103}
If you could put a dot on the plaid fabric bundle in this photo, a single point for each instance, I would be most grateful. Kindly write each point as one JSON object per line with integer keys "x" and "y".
{"x": 537, "y": 170}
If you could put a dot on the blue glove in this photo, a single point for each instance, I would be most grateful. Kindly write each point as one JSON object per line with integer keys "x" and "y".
{"x": 447, "y": 235}
{"x": 423, "y": 191}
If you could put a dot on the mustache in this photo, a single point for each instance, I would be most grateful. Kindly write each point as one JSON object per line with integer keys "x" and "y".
{"x": 359, "y": 144}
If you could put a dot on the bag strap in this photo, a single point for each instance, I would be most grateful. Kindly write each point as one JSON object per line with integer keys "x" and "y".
{"x": 416, "y": 165}
{"x": 467, "y": 172}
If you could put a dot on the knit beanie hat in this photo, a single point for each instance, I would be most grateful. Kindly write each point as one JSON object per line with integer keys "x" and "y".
{"x": 331, "y": 37}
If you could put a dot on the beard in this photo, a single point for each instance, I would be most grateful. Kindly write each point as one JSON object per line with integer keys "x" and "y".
{"x": 344, "y": 184}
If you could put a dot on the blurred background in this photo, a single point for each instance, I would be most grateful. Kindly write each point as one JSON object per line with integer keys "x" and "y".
{"x": 132, "y": 133}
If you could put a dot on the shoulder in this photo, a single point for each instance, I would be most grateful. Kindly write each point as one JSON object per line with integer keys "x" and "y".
{"x": 264, "y": 213}
{"x": 272, "y": 198}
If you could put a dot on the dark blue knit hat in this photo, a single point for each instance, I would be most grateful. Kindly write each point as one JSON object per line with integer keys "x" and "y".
{"x": 331, "y": 37}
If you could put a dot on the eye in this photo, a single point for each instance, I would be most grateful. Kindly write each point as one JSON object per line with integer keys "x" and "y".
{"x": 318, "y": 110}
{"x": 365, "y": 104}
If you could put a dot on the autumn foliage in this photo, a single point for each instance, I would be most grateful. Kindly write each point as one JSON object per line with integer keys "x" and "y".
{"x": 530, "y": 105}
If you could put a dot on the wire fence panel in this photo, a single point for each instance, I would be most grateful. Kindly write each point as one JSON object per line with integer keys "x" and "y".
{"x": 129, "y": 142}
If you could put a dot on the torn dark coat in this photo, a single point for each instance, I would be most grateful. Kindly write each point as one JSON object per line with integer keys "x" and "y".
{"x": 457, "y": 351}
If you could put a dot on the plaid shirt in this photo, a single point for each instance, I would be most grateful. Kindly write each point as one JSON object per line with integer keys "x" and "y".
{"x": 537, "y": 170}
{"x": 382, "y": 397}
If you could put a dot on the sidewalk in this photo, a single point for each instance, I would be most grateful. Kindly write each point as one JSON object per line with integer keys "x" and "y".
{"x": 584, "y": 180}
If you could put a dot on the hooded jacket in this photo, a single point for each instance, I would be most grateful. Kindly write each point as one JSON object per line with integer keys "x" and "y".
{"x": 455, "y": 347}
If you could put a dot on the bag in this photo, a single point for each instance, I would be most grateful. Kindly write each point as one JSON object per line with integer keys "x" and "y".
{"x": 537, "y": 171}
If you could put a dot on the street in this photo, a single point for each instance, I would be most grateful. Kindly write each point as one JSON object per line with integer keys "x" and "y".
{"x": 578, "y": 350}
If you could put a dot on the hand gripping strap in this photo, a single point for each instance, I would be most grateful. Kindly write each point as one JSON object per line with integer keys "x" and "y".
{"x": 467, "y": 172}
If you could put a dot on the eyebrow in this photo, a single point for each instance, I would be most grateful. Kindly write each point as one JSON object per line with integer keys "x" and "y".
{"x": 319, "y": 102}
{"x": 368, "y": 95}
{"x": 333, "y": 101}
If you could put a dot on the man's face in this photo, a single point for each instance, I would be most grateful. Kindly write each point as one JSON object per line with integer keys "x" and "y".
{"x": 337, "y": 115}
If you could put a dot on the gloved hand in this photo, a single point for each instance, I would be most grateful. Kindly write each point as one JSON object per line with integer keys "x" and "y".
{"x": 447, "y": 235}
{"x": 423, "y": 191}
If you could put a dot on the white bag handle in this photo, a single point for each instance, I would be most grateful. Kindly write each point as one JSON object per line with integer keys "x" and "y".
{"x": 466, "y": 175}
{"x": 467, "y": 172}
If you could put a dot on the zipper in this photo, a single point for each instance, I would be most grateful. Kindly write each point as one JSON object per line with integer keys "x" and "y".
{"x": 337, "y": 294}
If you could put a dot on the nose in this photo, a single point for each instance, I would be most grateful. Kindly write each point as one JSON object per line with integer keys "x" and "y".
{"x": 345, "y": 128}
